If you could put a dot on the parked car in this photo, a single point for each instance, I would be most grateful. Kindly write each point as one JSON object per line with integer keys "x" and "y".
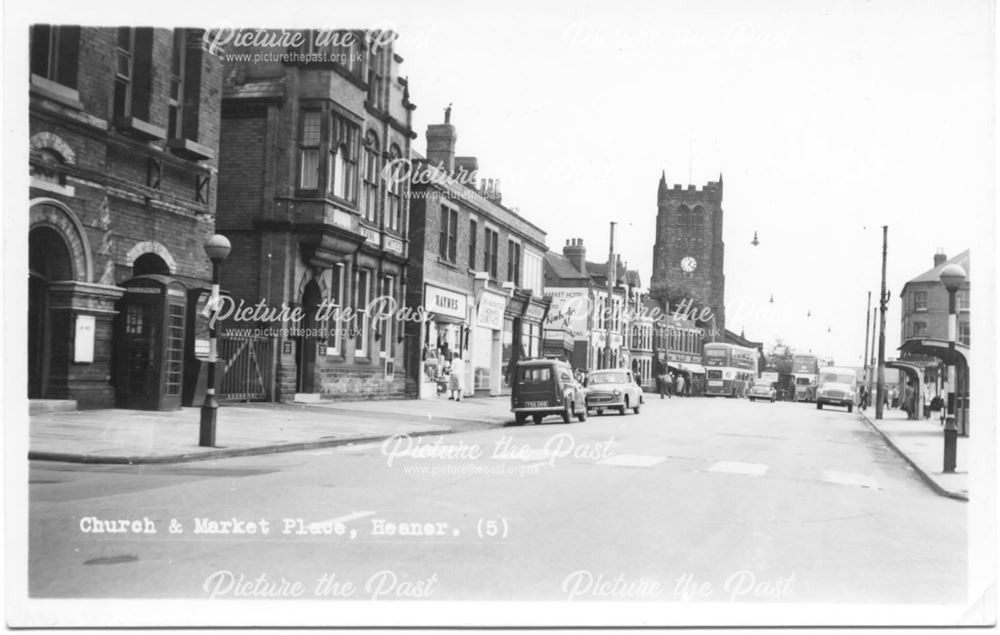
{"x": 544, "y": 387}
{"x": 613, "y": 388}
{"x": 836, "y": 387}
{"x": 762, "y": 389}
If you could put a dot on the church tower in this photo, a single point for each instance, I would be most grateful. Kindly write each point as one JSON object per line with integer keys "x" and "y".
{"x": 688, "y": 252}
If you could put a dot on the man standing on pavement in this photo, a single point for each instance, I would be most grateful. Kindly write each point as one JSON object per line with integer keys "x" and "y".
{"x": 679, "y": 385}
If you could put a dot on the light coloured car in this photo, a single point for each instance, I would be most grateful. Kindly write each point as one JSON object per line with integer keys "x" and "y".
{"x": 762, "y": 389}
{"x": 613, "y": 388}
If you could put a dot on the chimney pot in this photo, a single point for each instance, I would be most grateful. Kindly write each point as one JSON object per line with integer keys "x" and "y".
{"x": 939, "y": 259}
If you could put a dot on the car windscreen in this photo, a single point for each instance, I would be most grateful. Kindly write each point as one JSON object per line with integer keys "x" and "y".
{"x": 836, "y": 378}
{"x": 607, "y": 378}
{"x": 762, "y": 384}
{"x": 536, "y": 375}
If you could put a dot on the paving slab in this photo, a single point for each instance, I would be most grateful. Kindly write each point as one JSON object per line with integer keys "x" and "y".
{"x": 921, "y": 443}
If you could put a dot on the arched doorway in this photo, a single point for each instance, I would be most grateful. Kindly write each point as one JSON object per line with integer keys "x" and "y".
{"x": 306, "y": 344}
{"x": 49, "y": 260}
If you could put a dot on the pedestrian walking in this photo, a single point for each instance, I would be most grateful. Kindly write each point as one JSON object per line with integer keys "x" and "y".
{"x": 680, "y": 385}
{"x": 664, "y": 381}
{"x": 456, "y": 382}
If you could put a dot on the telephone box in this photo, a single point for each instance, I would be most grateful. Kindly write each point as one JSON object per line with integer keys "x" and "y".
{"x": 149, "y": 364}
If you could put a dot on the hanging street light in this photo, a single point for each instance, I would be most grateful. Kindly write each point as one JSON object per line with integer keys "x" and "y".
{"x": 755, "y": 242}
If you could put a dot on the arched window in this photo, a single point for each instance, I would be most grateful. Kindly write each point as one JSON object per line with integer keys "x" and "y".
{"x": 150, "y": 263}
{"x": 46, "y": 165}
{"x": 369, "y": 196}
{"x": 698, "y": 217}
{"x": 684, "y": 216}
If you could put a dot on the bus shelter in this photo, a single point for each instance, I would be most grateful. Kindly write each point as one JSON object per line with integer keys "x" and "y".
{"x": 957, "y": 356}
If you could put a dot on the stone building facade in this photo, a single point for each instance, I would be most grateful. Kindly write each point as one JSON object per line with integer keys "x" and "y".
{"x": 306, "y": 136}
{"x": 689, "y": 255}
{"x": 124, "y": 131}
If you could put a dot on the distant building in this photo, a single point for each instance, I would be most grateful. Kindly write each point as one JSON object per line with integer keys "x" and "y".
{"x": 124, "y": 135}
{"x": 924, "y": 335}
{"x": 925, "y": 303}
{"x": 689, "y": 255}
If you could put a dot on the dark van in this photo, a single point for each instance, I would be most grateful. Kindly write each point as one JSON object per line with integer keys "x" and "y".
{"x": 546, "y": 387}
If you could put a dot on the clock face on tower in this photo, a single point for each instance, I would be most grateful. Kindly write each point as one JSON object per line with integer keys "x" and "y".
{"x": 689, "y": 264}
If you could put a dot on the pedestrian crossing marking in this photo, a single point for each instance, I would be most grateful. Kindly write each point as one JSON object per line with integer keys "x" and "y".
{"x": 632, "y": 460}
{"x": 848, "y": 478}
{"x": 735, "y": 467}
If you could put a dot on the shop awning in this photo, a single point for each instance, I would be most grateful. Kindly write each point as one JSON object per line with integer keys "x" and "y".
{"x": 444, "y": 319}
{"x": 694, "y": 369}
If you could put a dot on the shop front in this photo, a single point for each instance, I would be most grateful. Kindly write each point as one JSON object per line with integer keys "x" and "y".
{"x": 487, "y": 355}
{"x": 444, "y": 332}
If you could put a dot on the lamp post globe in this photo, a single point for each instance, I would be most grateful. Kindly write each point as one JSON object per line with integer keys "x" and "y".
{"x": 217, "y": 248}
{"x": 952, "y": 277}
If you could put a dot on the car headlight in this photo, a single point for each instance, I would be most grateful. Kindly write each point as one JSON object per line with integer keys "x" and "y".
{"x": 616, "y": 392}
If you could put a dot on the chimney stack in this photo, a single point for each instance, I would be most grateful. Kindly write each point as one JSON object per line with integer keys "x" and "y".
{"x": 940, "y": 258}
{"x": 466, "y": 169}
{"x": 441, "y": 138}
{"x": 576, "y": 253}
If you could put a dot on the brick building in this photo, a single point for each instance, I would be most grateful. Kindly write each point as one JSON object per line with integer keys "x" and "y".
{"x": 315, "y": 224}
{"x": 475, "y": 268}
{"x": 689, "y": 255}
{"x": 925, "y": 303}
{"x": 580, "y": 315}
{"x": 123, "y": 142}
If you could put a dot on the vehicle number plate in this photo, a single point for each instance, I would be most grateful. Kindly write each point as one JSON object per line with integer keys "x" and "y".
{"x": 714, "y": 382}
{"x": 536, "y": 404}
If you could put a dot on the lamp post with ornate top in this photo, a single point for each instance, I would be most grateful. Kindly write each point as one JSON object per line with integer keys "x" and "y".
{"x": 952, "y": 277}
{"x": 217, "y": 249}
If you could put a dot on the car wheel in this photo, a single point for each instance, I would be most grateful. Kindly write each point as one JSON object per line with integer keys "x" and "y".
{"x": 520, "y": 418}
{"x": 772, "y": 399}
{"x": 850, "y": 407}
{"x": 537, "y": 418}
{"x": 819, "y": 406}
{"x": 751, "y": 399}
{"x": 582, "y": 416}
{"x": 567, "y": 412}
{"x": 622, "y": 409}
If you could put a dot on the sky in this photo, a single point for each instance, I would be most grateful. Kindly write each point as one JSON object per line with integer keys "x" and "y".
{"x": 827, "y": 120}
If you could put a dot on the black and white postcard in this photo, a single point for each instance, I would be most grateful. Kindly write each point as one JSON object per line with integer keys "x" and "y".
{"x": 521, "y": 314}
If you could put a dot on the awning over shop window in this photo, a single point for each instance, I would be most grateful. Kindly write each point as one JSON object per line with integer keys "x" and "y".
{"x": 694, "y": 369}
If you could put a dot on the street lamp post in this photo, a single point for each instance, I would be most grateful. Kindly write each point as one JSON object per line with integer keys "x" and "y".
{"x": 952, "y": 277}
{"x": 883, "y": 301}
{"x": 217, "y": 249}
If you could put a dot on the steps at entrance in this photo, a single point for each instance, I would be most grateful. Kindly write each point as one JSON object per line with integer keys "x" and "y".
{"x": 44, "y": 406}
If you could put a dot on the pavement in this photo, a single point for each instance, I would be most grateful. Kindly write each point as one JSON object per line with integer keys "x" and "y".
{"x": 921, "y": 444}
{"x": 142, "y": 436}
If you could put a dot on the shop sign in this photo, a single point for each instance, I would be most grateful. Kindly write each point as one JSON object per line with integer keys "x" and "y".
{"x": 369, "y": 234}
{"x": 444, "y": 302}
{"x": 490, "y": 313}
{"x": 393, "y": 244}
{"x": 534, "y": 313}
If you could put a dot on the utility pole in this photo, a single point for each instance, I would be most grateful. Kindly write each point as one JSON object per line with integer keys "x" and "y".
{"x": 883, "y": 300}
{"x": 608, "y": 321}
{"x": 868, "y": 317}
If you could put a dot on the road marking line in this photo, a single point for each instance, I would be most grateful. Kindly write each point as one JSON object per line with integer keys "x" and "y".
{"x": 341, "y": 519}
{"x": 848, "y": 478}
{"x": 632, "y": 460}
{"x": 535, "y": 454}
{"x": 360, "y": 447}
{"x": 735, "y": 467}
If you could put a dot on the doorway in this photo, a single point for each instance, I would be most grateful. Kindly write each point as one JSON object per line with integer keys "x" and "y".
{"x": 306, "y": 343}
{"x": 48, "y": 261}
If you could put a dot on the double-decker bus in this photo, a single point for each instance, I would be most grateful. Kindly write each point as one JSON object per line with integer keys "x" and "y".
{"x": 730, "y": 369}
{"x": 805, "y": 370}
